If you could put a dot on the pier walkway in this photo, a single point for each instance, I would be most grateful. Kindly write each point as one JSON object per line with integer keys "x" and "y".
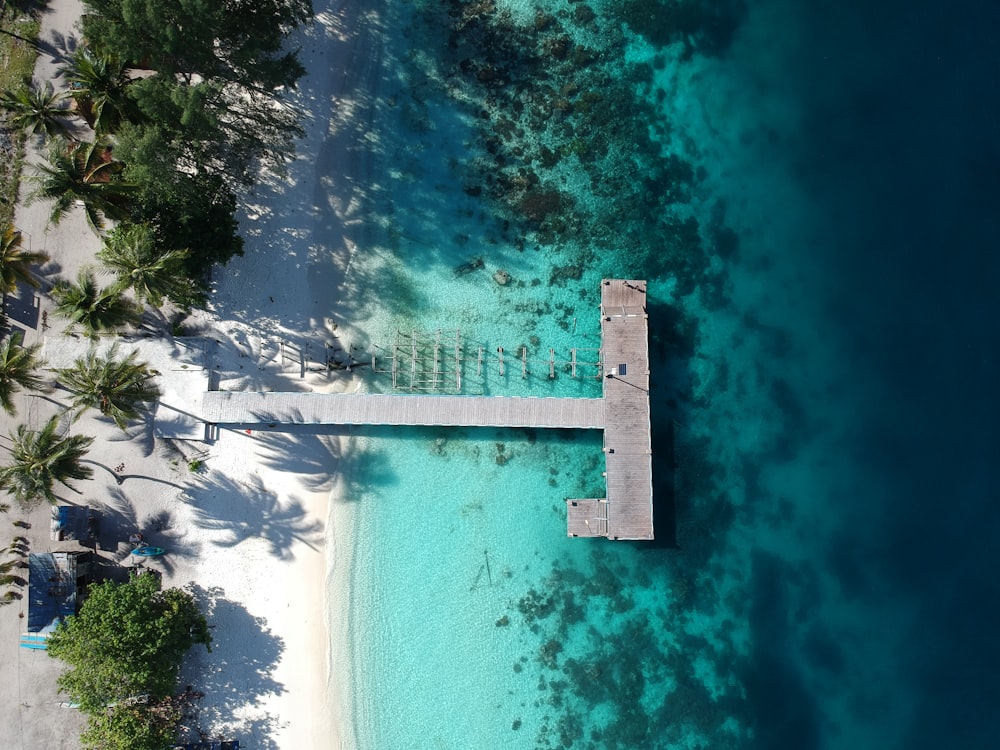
{"x": 623, "y": 413}
{"x": 236, "y": 407}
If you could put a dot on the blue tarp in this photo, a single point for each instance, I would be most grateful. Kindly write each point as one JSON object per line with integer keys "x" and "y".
{"x": 51, "y": 589}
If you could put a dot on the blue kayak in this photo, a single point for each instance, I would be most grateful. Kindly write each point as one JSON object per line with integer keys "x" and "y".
{"x": 148, "y": 551}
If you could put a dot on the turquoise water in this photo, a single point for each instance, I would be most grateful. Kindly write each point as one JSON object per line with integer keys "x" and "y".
{"x": 807, "y": 340}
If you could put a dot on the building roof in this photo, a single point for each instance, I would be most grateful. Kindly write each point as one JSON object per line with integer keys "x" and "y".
{"x": 51, "y": 589}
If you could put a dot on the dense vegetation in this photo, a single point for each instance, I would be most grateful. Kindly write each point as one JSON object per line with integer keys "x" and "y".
{"x": 171, "y": 107}
{"x": 18, "y": 32}
{"x": 184, "y": 103}
{"x": 204, "y": 115}
{"x": 124, "y": 650}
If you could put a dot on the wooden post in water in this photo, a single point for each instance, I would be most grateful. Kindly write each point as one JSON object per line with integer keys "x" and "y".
{"x": 524, "y": 362}
{"x": 413, "y": 358}
{"x": 437, "y": 361}
{"x": 573, "y": 358}
{"x": 552, "y": 364}
{"x": 500, "y": 350}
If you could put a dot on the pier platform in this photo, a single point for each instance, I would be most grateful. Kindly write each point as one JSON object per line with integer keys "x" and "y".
{"x": 628, "y": 451}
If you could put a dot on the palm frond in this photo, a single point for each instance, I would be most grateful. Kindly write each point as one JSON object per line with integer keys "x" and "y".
{"x": 16, "y": 262}
{"x": 119, "y": 388}
{"x": 96, "y": 309}
{"x": 40, "y": 459}
{"x": 35, "y": 110}
{"x": 83, "y": 172}
{"x": 132, "y": 253}
{"x": 18, "y": 365}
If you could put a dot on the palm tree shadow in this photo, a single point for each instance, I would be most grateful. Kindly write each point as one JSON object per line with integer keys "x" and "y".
{"x": 235, "y": 677}
{"x": 241, "y": 511}
{"x": 138, "y": 432}
{"x": 120, "y": 520}
{"x": 58, "y": 46}
{"x": 316, "y": 453}
{"x": 120, "y": 478}
{"x": 313, "y": 452}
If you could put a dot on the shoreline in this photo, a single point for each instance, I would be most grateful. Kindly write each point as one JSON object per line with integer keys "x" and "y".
{"x": 302, "y": 231}
{"x": 339, "y": 662}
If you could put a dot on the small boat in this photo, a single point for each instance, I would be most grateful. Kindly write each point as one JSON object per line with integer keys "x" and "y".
{"x": 148, "y": 551}
{"x": 473, "y": 265}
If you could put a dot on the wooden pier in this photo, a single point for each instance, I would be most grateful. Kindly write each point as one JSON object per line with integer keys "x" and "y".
{"x": 248, "y": 408}
{"x": 627, "y": 512}
{"x": 623, "y": 411}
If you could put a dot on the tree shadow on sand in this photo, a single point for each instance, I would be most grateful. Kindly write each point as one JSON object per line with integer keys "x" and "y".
{"x": 312, "y": 452}
{"x": 319, "y": 457}
{"x": 58, "y": 46}
{"x": 248, "y": 510}
{"x": 235, "y": 677}
{"x": 120, "y": 519}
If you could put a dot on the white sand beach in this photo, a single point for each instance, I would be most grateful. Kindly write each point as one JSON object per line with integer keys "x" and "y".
{"x": 254, "y": 522}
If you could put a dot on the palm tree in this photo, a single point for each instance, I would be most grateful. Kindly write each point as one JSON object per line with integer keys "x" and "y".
{"x": 16, "y": 262}
{"x": 99, "y": 82}
{"x": 33, "y": 110}
{"x": 85, "y": 173}
{"x": 40, "y": 459}
{"x": 96, "y": 309}
{"x": 17, "y": 370}
{"x": 131, "y": 253}
{"x": 118, "y": 388}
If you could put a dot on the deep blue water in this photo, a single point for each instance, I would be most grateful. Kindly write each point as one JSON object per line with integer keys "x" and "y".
{"x": 811, "y": 190}
{"x": 903, "y": 100}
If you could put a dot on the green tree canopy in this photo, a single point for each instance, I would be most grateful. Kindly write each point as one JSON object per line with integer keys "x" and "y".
{"x": 196, "y": 212}
{"x": 132, "y": 727}
{"x": 124, "y": 650}
{"x": 18, "y": 369}
{"x": 235, "y": 40}
{"x": 135, "y": 255}
{"x": 220, "y": 69}
{"x": 16, "y": 262}
{"x": 119, "y": 388}
{"x": 97, "y": 309}
{"x": 35, "y": 110}
{"x": 39, "y": 459}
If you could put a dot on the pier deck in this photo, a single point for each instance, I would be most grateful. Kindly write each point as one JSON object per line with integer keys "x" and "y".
{"x": 245, "y": 408}
{"x": 627, "y": 440}
{"x": 622, "y": 412}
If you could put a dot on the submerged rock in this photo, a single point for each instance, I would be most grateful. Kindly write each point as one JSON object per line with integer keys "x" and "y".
{"x": 501, "y": 277}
